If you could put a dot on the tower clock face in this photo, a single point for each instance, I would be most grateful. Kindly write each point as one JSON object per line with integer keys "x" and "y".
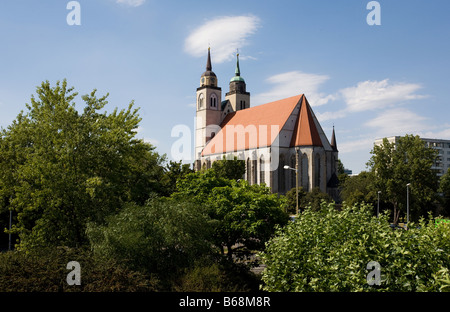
{"x": 213, "y": 80}
{"x": 203, "y": 80}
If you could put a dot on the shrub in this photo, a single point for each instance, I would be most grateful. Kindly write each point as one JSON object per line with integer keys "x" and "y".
{"x": 328, "y": 250}
{"x": 217, "y": 276}
{"x": 44, "y": 270}
{"x": 160, "y": 238}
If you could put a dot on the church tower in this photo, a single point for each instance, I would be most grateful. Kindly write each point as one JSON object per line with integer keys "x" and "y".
{"x": 238, "y": 96}
{"x": 208, "y": 117}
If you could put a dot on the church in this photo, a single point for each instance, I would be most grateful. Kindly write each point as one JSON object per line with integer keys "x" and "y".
{"x": 279, "y": 141}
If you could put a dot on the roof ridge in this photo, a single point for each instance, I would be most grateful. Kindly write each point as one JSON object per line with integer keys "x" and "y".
{"x": 305, "y": 130}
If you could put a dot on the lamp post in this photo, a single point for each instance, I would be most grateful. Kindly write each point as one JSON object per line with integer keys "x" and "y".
{"x": 378, "y": 206}
{"x": 296, "y": 183}
{"x": 407, "y": 203}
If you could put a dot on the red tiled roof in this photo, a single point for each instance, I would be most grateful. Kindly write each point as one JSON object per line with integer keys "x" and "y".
{"x": 305, "y": 132}
{"x": 259, "y": 126}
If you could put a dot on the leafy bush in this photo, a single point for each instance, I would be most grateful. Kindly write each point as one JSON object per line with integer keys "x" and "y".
{"x": 45, "y": 270}
{"x": 217, "y": 276}
{"x": 160, "y": 237}
{"x": 328, "y": 250}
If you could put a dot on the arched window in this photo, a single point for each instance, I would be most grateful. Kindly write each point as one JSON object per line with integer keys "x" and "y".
{"x": 292, "y": 174}
{"x": 305, "y": 173}
{"x": 281, "y": 175}
{"x": 200, "y": 100}
{"x": 248, "y": 170}
{"x": 213, "y": 101}
{"x": 254, "y": 171}
{"x": 317, "y": 169}
{"x": 262, "y": 174}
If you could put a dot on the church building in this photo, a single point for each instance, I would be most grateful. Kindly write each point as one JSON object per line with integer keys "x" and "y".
{"x": 279, "y": 141}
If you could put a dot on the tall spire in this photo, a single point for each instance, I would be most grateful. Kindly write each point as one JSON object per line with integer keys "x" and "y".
{"x": 208, "y": 62}
{"x": 237, "y": 71}
{"x": 333, "y": 141}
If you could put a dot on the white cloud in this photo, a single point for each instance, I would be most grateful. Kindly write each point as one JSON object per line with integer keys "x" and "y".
{"x": 151, "y": 141}
{"x": 443, "y": 132}
{"x": 294, "y": 83}
{"x": 369, "y": 95}
{"x": 397, "y": 121}
{"x": 363, "y": 144}
{"x": 223, "y": 34}
{"x": 133, "y": 3}
{"x": 330, "y": 115}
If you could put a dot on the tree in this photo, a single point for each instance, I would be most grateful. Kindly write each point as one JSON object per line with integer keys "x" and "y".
{"x": 407, "y": 161}
{"x": 243, "y": 215}
{"x": 60, "y": 168}
{"x": 314, "y": 199}
{"x": 329, "y": 250}
{"x": 306, "y": 200}
{"x": 444, "y": 188}
{"x": 173, "y": 172}
{"x": 359, "y": 189}
{"x": 161, "y": 237}
{"x": 291, "y": 202}
{"x": 232, "y": 169}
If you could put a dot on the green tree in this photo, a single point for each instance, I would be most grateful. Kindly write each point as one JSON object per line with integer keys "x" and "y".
{"x": 306, "y": 200}
{"x": 407, "y": 161}
{"x": 291, "y": 201}
{"x": 60, "y": 168}
{"x": 173, "y": 172}
{"x": 232, "y": 169}
{"x": 243, "y": 215}
{"x": 359, "y": 188}
{"x": 161, "y": 237}
{"x": 313, "y": 200}
{"x": 444, "y": 188}
{"x": 329, "y": 250}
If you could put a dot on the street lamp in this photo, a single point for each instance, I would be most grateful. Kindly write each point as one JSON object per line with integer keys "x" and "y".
{"x": 378, "y": 207}
{"x": 296, "y": 184}
{"x": 407, "y": 203}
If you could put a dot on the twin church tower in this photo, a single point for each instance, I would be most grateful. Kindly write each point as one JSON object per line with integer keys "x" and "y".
{"x": 268, "y": 137}
{"x": 211, "y": 110}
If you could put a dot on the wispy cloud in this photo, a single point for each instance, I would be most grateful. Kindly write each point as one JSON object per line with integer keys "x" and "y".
{"x": 354, "y": 145}
{"x": 294, "y": 83}
{"x": 397, "y": 121}
{"x": 369, "y": 95}
{"x": 133, "y": 3}
{"x": 223, "y": 34}
{"x": 331, "y": 115}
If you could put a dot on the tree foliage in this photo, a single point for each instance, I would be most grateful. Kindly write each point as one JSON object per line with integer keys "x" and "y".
{"x": 329, "y": 250}
{"x": 244, "y": 216}
{"x": 306, "y": 200}
{"x": 408, "y": 161}
{"x": 444, "y": 188}
{"x": 159, "y": 237}
{"x": 359, "y": 189}
{"x": 233, "y": 169}
{"x": 60, "y": 168}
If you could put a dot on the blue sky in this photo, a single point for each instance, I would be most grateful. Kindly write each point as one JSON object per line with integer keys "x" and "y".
{"x": 369, "y": 81}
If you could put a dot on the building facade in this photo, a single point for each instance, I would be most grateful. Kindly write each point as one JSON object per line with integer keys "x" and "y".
{"x": 267, "y": 137}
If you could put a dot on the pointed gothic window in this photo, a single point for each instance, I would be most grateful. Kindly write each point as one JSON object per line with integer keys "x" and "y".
{"x": 281, "y": 175}
{"x": 262, "y": 175}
